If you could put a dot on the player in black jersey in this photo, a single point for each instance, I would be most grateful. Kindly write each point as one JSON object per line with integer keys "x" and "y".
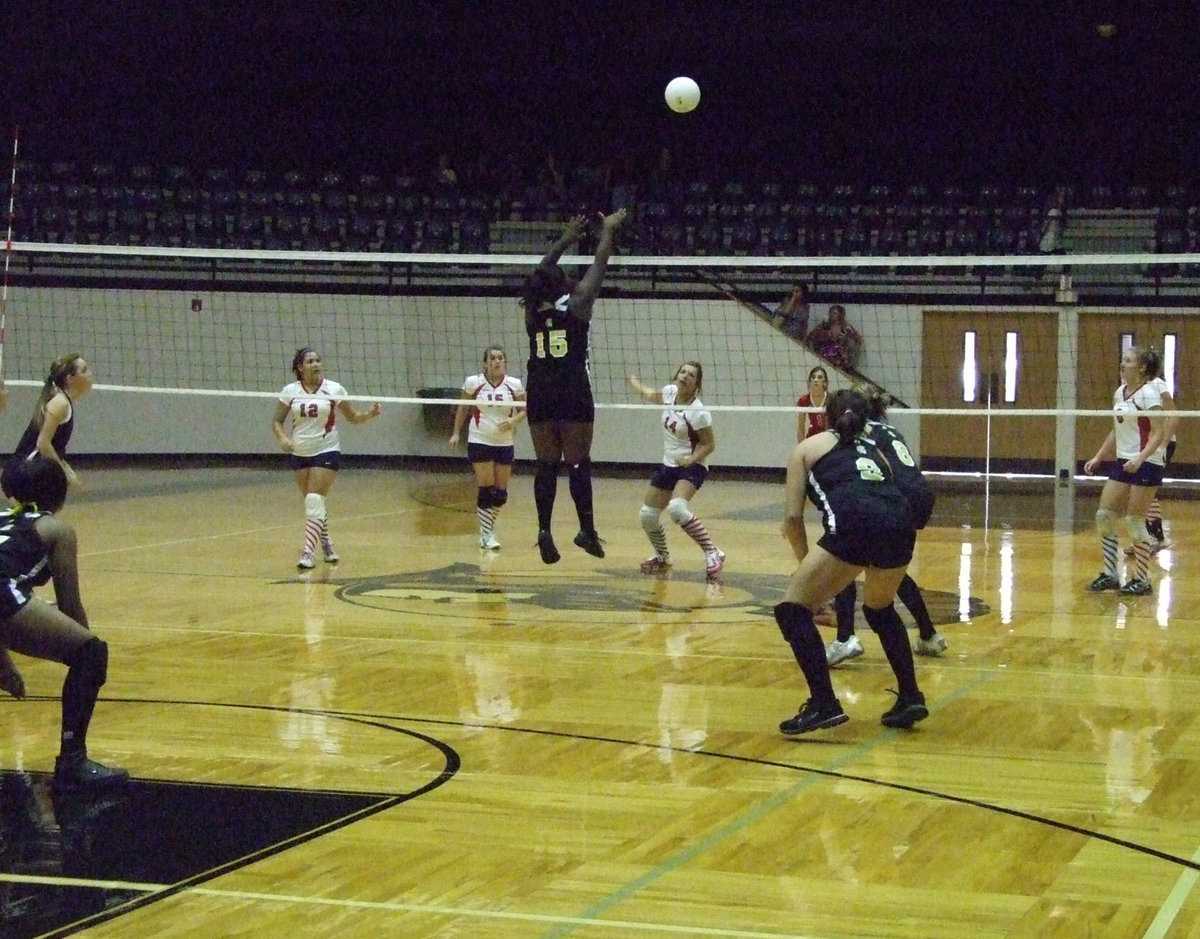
{"x": 921, "y": 498}
{"x": 49, "y": 430}
{"x": 35, "y": 546}
{"x": 869, "y": 527}
{"x": 558, "y": 316}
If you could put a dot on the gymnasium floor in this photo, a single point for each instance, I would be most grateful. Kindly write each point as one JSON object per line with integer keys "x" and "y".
{"x": 424, "y": 740}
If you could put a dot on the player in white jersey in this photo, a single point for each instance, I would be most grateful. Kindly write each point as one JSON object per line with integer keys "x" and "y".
{"x": 313, "y": 403}
{"x": 1137, "y": 448}
{"x": 1154, "y": 521}
{"x": 491, "y": 418}
{"x": 688, "y": 443}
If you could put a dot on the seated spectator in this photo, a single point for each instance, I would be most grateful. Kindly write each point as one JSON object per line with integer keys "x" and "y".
{"x": 837, "y": 341}
{"x": 792, "y": 314}
{"x": 1054, "y": 224}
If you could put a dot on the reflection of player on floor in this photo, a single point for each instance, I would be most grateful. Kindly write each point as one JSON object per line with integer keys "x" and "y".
{"x": 689, "y": 441}
{"x": 560, "y": 408}
{"x": 490, "y": 437}
{"x": 1136, "y": 451}
{"x": 35, "y": 547}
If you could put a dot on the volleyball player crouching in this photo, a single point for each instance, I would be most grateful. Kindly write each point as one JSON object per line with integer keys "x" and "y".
{"x": 490, "y": 436}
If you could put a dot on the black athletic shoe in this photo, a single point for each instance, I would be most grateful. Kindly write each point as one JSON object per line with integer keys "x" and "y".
{"x": 1104, "y": 582}
{"x": 78, "y": 772}
{"x": 590, "y": 542}
{"x": 1138, "y": 587}
{"x": 905, "y": 712}
{"x": 810, "y": 718}
{"x": 546, "y": 546}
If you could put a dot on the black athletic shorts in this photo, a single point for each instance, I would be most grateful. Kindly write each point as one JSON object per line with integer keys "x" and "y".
{"x": 331, "y": 459}
{"x": 560, "y": 398}
{"x": 872, "y": 547}
{"x": 488, "y": 453}
{"x": 665, "y": 477}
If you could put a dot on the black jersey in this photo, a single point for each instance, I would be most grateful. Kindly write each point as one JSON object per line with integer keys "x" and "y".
{"x": 558, "y": 340}
{"x": 27, "y": 445}
{"x": 909, "y": 478}
{"x": 856, "y": 491}
{"x": 557, "y": 383}
{"x": 24, "y": 560}
{"x": 62, "y": 436}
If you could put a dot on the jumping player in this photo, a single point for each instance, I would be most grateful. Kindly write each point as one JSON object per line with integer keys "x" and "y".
{"x": 561, "y": 411}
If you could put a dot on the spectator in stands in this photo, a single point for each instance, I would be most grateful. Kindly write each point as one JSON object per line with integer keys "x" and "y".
{"x": 1054, "y": 224}
{"x": 792, "y": 314}
{"x": 837, "y": 341}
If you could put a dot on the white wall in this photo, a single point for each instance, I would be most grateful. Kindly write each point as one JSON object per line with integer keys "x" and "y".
{"x": 389, "y": 347}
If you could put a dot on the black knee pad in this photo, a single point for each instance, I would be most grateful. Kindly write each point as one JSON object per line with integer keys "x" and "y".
{"x": 790, "y": 618}
{"x": 581, "y": 469}
{"x": 880, "y": 618}
{"x": 484, "y": 498}
{"x": 499, "y": 497}
{"x": 90, "y": 661}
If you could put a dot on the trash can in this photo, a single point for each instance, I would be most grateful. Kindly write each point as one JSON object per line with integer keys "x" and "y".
{"x": 439, "y": 418}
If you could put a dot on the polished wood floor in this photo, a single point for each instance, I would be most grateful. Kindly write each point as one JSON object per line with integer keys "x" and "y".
{"x": 582, "y": 751}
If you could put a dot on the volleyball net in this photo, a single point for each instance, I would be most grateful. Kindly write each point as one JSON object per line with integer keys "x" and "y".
{"x": 1007, "y": 363}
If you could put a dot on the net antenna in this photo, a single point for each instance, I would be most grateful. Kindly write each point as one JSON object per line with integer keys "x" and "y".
{"x": 12, "y": 194}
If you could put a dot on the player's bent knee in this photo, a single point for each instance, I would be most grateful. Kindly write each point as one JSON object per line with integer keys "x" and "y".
{"x": 648, "y": 515}
{"x": 1136, "y": 526}
{"x": 484, "y": 498}
{"x": 1106, "y": 523}
{"x": 91, "y": 661}
{"x": 679, "y": 510}
{"x": 499, "y": 497}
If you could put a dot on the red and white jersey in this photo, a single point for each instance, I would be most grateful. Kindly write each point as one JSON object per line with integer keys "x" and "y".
{"x": 314, "y": 428}
{"x": 680, "y": 425}
{"x": 1132, "y": 420}
{"x": 493, "y": 404}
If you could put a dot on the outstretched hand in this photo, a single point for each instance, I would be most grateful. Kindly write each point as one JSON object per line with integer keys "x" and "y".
{"x": 614, "y": 220}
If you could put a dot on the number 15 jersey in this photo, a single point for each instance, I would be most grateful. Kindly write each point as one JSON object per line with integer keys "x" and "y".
{"x": 558, "y": 386}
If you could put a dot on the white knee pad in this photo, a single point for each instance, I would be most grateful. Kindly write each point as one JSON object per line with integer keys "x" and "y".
{"x": 649, "y": 518}
{"x": 1106, "y": 523}
{"x": 314, "y": 505}
{"x": 680, "y": 511}
{"x": 1137, "y": 528}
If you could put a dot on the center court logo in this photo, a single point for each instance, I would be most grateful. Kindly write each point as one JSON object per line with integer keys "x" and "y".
{"x": 604, "y": 594}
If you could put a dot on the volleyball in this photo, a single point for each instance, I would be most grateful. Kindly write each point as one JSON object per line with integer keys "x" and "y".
{"x": 682, "y": 95}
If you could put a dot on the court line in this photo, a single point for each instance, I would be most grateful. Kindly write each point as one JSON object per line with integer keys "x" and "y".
{"x": 392, "y": 907}
{"x": 1169, "y": 910}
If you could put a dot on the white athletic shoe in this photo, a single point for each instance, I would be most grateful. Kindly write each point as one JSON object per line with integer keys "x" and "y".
{"x": 838, "y": 652}
{"x": 307, "y": 562}
{"x": 488, "y": 543}
{"x": 331, "y": 556}
{"x": 714, "y": 562}
{"x": 934, "y": 646}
